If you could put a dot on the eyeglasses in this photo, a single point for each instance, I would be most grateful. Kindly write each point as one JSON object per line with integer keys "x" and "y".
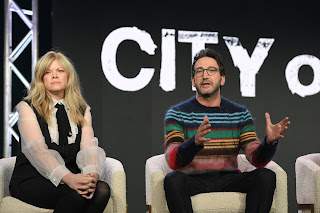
{"x": 210, "y": 71}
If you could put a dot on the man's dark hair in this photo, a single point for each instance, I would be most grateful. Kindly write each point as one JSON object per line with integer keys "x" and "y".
{"x": 207, "y": 52}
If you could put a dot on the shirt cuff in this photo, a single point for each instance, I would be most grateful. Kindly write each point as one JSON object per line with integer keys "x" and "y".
{"x": 90, "y": 169}
{"x": 57, "y": 174}
{"x": 269, "y": 144}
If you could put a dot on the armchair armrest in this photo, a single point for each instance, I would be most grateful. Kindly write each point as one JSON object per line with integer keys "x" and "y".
{"x": 281, "y": 191}
{"x": 6, "y": 169}
{"x": 156, "y": 170}
{"x": 115, "y": 176}
{"x": 308, "y": 179}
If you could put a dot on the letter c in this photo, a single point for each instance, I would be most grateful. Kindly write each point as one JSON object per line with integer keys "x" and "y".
{"x": 108, "y": 58}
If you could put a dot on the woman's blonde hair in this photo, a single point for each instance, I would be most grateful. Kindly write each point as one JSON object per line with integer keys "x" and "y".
{"x": 39, "y": 97}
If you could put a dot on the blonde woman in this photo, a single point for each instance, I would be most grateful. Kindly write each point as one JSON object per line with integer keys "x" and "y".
{"x": 60, "y": 162}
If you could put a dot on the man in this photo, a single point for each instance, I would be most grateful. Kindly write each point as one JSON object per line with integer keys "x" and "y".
{"x": 203, "y": 138}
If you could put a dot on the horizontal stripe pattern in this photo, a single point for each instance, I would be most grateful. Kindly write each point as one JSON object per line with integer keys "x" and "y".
{"x": 231, "y": 130}
{"x": 236, "y": 117}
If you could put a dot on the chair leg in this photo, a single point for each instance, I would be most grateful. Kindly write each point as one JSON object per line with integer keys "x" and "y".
{"x": 149, "y": 208}
{"x": 312, "y": 208}
{"x": 306, "y": 207}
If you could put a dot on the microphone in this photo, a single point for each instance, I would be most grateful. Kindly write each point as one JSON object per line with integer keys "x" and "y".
{"x": 221, "y": 107}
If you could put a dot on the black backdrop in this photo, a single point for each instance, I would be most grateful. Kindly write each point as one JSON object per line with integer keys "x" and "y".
{"x": 129, "y": 125}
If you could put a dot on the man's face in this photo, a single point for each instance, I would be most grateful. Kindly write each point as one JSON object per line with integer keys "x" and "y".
{"x": 206, "y": 85}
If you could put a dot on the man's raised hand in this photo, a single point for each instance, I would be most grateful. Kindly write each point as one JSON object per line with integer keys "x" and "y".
{"x": 275, "y": 132}
{"x": 203, "y": 130}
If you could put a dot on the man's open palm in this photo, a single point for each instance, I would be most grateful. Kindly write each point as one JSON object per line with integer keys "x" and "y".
{"x": 275, "y": 132}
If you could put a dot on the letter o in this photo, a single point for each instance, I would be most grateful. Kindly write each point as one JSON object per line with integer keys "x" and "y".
{"x": 292, "y": 71}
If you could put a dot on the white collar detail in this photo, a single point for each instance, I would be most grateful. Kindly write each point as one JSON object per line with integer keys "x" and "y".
{"x": 53, "y": 128}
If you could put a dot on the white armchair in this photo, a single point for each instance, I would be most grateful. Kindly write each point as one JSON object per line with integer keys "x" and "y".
{"x": 115, "y": 177}
{"x": 157, "y": 168}
{"x": 308, "y": 182}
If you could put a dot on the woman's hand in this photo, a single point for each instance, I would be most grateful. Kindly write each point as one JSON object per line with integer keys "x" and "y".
{"x": 85, "y": 185}
{"x": 89, "y": 187}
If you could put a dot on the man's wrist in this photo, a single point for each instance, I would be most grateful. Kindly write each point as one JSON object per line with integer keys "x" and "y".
{"x": 271, "y": 143}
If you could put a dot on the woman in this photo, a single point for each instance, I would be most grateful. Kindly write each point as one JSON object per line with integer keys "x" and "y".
{"x": 60, "y": 163}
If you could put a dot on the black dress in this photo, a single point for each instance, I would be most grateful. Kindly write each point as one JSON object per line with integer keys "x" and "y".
{"x": 23, "y": 169}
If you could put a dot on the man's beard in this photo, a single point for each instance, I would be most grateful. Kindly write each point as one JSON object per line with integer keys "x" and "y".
{"x": 211, "y": 93}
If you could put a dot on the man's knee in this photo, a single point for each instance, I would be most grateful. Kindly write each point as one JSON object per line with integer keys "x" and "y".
{"x": 174, "y": 179}
{"x": 266, "y": 176}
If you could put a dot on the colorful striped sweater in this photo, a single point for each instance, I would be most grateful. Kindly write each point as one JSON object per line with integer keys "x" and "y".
{"x": 232, "y": 130}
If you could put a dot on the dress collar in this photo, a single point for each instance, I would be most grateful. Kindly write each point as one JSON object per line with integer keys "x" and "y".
{"x": 62, "y": 101}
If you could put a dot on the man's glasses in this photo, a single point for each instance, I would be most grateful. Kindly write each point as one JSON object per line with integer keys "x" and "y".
{"x": 210, "y": 71}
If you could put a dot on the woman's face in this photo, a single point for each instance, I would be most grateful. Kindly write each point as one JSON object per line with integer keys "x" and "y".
{"x": 55, "y": 80}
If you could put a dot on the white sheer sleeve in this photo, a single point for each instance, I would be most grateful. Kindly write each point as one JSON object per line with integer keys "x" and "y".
{"x": 47, "y": 162}
{"x": 91, "y": 157}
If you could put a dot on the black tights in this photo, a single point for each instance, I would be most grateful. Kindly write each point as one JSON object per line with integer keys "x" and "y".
{"x": 42, "y": 193}
{"x": 71, "y": 201}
